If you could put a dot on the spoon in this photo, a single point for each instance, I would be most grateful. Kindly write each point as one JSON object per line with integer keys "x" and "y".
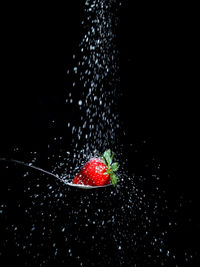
{"x": 54, "y": 175}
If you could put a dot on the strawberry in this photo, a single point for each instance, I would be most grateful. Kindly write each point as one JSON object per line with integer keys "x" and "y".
{"x": 98, "y": 171}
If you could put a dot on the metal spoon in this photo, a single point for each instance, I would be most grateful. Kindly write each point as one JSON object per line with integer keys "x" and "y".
{"x": 55, "y": 176}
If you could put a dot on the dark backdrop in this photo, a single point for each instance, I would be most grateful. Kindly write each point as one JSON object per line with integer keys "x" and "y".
{"x": 158, "y": 70}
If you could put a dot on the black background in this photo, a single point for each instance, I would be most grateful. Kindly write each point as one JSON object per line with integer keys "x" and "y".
{"x": 158, "y": 69}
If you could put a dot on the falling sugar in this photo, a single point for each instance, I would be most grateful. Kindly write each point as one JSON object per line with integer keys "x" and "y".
{"x": 98, "y": 78}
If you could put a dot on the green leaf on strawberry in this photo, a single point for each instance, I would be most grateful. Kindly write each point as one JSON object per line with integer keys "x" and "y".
{"x": 112, "y": 156}
{"x": 114, "y": 179}
{"x": 107, "y": 156}
{"x": 107, "y": 159}
{"x": 115, "y": 166}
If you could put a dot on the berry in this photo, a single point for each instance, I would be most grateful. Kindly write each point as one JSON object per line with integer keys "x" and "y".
{"x": 98, "y": 171}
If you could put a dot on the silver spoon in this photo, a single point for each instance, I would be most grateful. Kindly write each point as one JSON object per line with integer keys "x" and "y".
{"x": 55, "y": 176}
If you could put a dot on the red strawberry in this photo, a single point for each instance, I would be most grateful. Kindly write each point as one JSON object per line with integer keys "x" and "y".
{"x": 98, "y": 171}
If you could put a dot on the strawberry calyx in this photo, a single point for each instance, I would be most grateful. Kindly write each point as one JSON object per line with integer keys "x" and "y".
{"x": 107, "y": 159}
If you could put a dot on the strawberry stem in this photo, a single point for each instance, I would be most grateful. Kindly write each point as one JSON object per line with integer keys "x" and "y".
{"x": 107, "y": 158}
